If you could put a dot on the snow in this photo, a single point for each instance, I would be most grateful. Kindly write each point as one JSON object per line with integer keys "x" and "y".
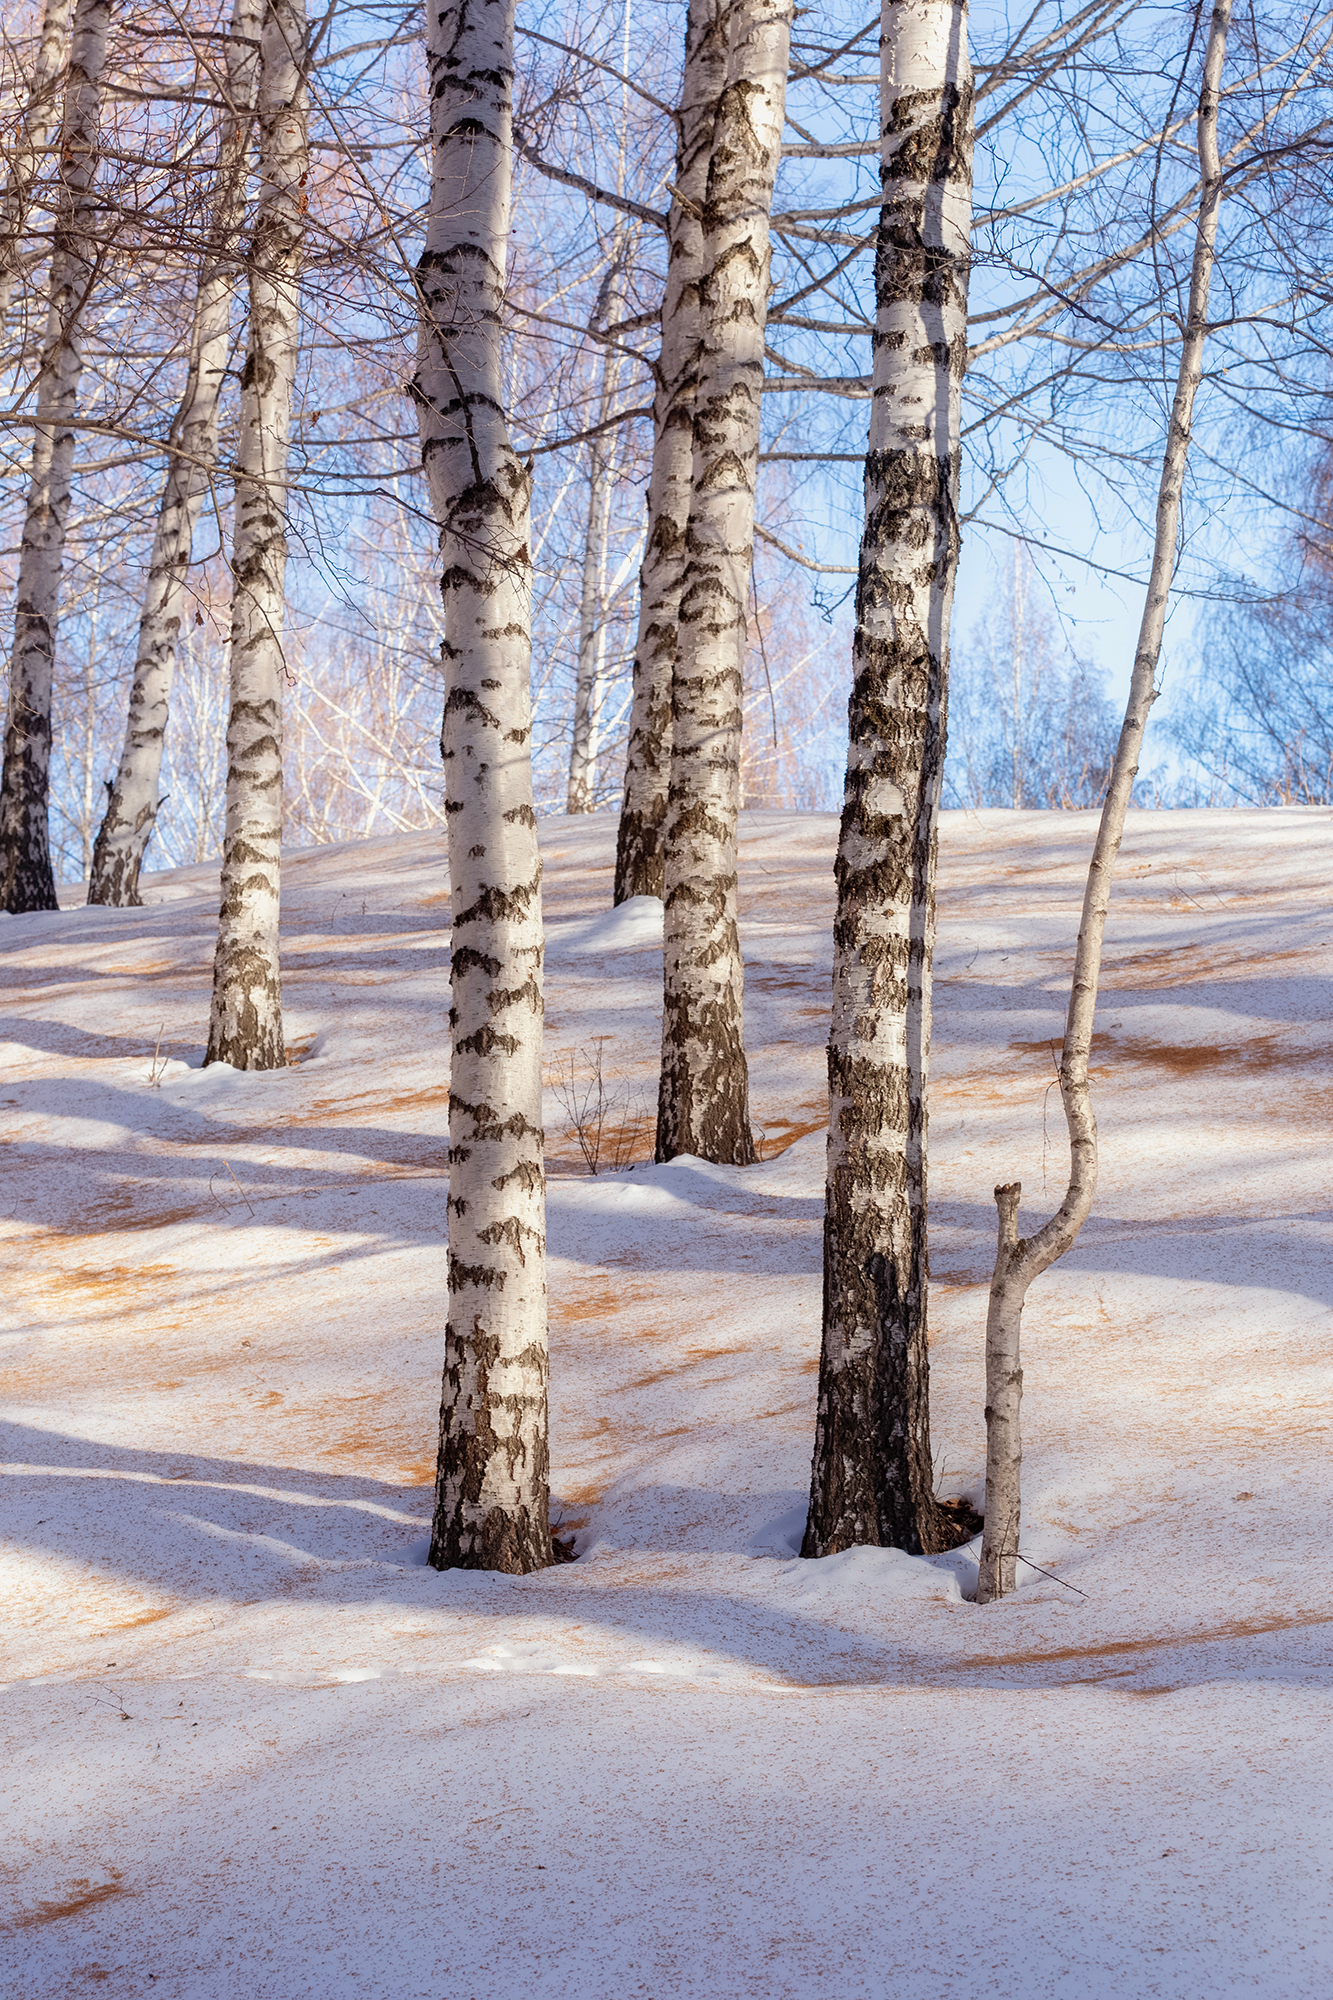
{"x": 256, "y": 1747}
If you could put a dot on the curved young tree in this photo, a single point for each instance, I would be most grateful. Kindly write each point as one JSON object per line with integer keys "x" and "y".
{"x": 245, "y": 1025}
{"x": 639, "y": 850}
{"x": 1020, "y": 1260}
{"x": 704, "y": 1099}
{"x": 872, "y": 1480}
{"x": 491, "y": 1496}
{"x": 26, "y": 880}
{"x": 132, "y": 807}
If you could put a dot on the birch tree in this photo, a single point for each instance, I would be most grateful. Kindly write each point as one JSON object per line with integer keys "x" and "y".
{"x": 132, "y": 806}
{"x": 872, "y": 1479}
{"x": 1020, "y": 1260}
{"x": 245, "y": 1025}
{"x": 25, "y": 161}
{"x": 582, "y": 794}
{"x": 703, "y": 1102}
{"x": 492, "y": 1496}
{"x": 639, "y": 853}
{"x": 26, "y": 880}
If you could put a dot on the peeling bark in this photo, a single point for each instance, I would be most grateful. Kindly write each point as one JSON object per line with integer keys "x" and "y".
{"x": 492, "y": 1491}
{"x": 1020, "y": 1260}
{"x": 25, "y": 162}
{"x": 639, "y": 842}
{"x": 704, "y": 1099}
{"x": 132, "y": 807}
{"x": 26, "y": 880}
{"x": 245, "y": 1026}
{"x": 872, "y": 1480}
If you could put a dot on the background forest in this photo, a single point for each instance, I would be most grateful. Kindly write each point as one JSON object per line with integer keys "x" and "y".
{"x": 1083, "y": 176}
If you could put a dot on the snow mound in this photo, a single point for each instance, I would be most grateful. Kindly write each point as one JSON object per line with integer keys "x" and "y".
{"x": 861, "y": 1580}
{"x": 632, "y": 926}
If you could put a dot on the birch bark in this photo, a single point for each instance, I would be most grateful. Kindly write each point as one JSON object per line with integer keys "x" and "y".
{"x": 704, "y": 1102}
{"x": 25, "y": 162}
{"x": 1020, "y": 1260}
{"x": 491, "y": 1500}
{"x": 26, "y": 880}
{"x": 872, "y": 1479}
{"x": 132, "y": 807}
{"x": 245, "y": 1026}
{"x": 639, "y": 842}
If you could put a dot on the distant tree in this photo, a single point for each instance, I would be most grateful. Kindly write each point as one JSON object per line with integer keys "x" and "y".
{"x": 245, "y": 1026}
{"x": 26, "y": 880}
{"x": 1257, "y": 717}
{"x": 1029, "y": 724}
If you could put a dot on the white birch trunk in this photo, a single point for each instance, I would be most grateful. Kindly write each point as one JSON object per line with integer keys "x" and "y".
{"x": 1020, "y": 1260}
{"x": 872, "y": 1479}
{"x": 581, "y": 796}
{"x": 26, "y": 881}
{"x": 639, "y": 844}
{"x": 245, "y": 1026}
{"x": 25, "y": 162}
{"x": 492, "y": 1498}
{"x": 132, "y": 807}
{"x": 704, "y": 1101}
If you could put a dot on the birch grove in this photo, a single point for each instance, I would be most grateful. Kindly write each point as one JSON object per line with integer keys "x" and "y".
{"x": 26, "y": 880}
{"x": 245, "y": 1023}
{"x": 872, "y": 1479}
{"x": 491, "y": 1495}
{"x": 703, "y": 1102}
{"x": 132, "y": 804}
{"x": 1020, "y": 1260}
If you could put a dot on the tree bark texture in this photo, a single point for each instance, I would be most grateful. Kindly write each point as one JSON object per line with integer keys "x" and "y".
{"x": 1020, "y": 1260}
{"x": 492, "y": 1494}
{"x": 132, "y": 807}
{"x": 26, "y": 880}
{"x": 245, "y": 1027}
{"x": 704, "y": 1098}
{"x": 25, "y": 162}
{"x": 639, "y": 842}
{"x": 872, "y": 1480}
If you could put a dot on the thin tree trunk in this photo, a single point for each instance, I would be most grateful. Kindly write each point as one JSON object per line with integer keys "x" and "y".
{"x": 639, "y": 842}
{"x": 1019, "y": 1260}
{"x": 132, "y": 807}
{"x": 704, "y": 1098}
{"x": 26, "y": 880}
{"x": 245, "y": 1027}
{"x": 25, "y": 162}
{"x": 492, "y": 1494}
{"x": 872, "y": 1479}
{"x": 582, "y": 791}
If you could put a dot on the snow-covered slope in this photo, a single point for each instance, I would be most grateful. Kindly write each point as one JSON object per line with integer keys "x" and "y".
{"x": 256, "y": 1748}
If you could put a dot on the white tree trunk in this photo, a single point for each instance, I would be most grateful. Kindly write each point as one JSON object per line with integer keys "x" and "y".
{"x": 1020, "y": 1260}
{"x": 704, "y": 1101}
{"x": 492, "y": 1498}
{"x": 25, "y": 162}
{"x": 872, "y": 1479}
{"x": 581, "y": 796}
{"x": 245, "y": 1026}
{"x": 26, "y": 881}
{"x": 639, "y": 844}
{"x": 133, "y": 803}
